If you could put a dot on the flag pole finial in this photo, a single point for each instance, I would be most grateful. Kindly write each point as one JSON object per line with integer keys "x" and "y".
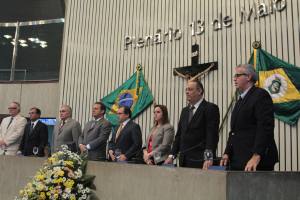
{"x": 256, "y": 45}
{"x": 139, "y": 67}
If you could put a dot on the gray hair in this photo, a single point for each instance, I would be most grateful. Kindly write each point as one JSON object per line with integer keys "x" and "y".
{"x": 249, "y": 69}
{"x": 68, "y": 108}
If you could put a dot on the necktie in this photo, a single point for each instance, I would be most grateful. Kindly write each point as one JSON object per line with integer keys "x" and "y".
{"x": 237, "y": 104}
{"x": 61, "y": 125}
{"x": 191, "y": 113}
{"x": 31, "y": 127}
{"x": 119, "y": 131}
{"x": 11, "y": 119}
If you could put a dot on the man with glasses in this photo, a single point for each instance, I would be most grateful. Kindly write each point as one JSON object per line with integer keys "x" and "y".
{"x": 126, "y": 142}
{"x": 35, "y": 137}
{"x": 251, "y": 144}
{"x": 11, "y": 130}
{"x": 95, "y": 134}
{"x": 66, "y": 131}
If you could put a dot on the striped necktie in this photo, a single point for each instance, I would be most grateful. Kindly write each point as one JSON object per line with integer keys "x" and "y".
{"x": 119, "y": 131}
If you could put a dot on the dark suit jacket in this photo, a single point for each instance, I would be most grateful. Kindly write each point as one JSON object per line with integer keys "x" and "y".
{"x": 201, "y": 133}
{"x": 129, "y": 141}
{"x": 252, "y": 131}
{"x": 96, "y": 136}
{"x": 37, "y": 138}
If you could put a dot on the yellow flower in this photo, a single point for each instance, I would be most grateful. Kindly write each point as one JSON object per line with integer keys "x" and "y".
{"x": 40, "y": 177}
{"x": 55, "y": 196}
{"x": 42, "y": 196}
{"x": 69, "y": 183}
{"x": 72, "y": 197}
{"x": 60, "y": 173}
{"x": 69, "y": 163}
{"x": 57, "y": 180}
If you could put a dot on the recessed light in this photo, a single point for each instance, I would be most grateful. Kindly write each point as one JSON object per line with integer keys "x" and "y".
{"x": 22, "y": 41}
{"x": 24, "y": 45}
{"x": 7, "y": 36}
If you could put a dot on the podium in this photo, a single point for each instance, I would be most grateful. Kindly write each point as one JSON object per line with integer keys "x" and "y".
{"x": 116, "y": 181}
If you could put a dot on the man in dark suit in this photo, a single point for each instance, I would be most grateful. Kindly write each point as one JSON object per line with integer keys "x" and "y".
{"x": 197, "y": 134}
{"x": 126, "y": 142}
{"x": 66, "y": 131}
{"x": 95, "y": 134}
{"x": 35, "y": 135}
{"x": 251, "y": 144}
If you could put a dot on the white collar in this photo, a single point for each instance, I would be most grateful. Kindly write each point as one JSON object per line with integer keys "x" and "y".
{"x": 34, "y": 123}
{"x": 245, "y": 92}
{"x": 198, "y": 104}
{"x": 97, "y": 120}
{"x": 125, "y": 122}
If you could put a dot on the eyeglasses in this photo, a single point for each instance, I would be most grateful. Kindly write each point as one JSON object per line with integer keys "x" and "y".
{"x": 62, "y": 111}
{"x": 241, "y": 74}
{"x": 12, "y": 108}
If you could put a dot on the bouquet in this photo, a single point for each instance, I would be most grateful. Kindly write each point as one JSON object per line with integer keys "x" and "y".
{"x": 61, "y": 177}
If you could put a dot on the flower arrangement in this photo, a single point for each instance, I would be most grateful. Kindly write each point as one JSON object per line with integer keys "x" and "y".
{"x": 61, "y": 177}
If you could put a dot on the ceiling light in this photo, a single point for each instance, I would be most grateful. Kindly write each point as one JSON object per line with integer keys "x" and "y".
{"x": 43, "y": 45}
{"x": 31, "y": 39}
{"x": 7, "y": 36}
{"x": 24, "y": 45}
{"x": 43, "y": 42}
{"x": 13, "y": 43}
{"x": 22, "y": 41}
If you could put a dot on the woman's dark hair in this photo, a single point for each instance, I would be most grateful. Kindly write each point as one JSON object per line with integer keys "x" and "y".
{"x": 165, "y": 116}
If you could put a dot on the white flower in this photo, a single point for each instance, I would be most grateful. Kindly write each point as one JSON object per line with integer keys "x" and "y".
{"x": 68, "y": 190}
{"x": 80, "y": 186}
{"x": 78, "y": 173}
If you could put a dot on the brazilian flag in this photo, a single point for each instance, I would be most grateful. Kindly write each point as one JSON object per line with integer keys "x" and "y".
{"x": 282, "y": 81}
{"x": 134, "y": 93}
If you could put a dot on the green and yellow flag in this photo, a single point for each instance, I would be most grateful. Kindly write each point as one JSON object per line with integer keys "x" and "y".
{"x": 134, "y": 93}
{"x": 282, "y": 81}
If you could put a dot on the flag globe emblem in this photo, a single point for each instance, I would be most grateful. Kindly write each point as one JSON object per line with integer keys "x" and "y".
{"x": 276, "y": 85}
{"x": 126, "y": 99}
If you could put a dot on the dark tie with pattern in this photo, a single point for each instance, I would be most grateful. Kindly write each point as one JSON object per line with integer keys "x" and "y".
{"x": 191, "y": 113}
{"x": 11, "y": 119}
{"x": 237, "y": 104}
{"x": 62, "y": 125}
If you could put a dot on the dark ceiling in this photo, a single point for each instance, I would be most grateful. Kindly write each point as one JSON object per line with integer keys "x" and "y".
{"x": 31, "y": 10}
